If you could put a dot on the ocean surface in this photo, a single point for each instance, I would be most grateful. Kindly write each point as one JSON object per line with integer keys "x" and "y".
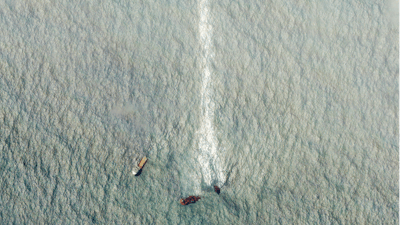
{"x": 290, "y": 107}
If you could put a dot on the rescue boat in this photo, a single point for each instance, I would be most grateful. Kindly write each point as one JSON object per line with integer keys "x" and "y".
{"x": 136, "y": 170}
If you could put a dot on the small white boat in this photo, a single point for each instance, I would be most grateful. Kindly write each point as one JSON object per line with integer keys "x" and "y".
{"x": 137, "y": 168}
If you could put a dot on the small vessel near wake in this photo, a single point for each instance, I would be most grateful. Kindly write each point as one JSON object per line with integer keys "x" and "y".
{"x": 217, "y": 189}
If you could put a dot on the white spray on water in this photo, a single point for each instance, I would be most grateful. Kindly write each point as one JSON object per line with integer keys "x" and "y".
{"x": 208, "y": 155}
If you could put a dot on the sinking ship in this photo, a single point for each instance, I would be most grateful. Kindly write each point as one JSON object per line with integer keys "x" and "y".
{"x": 190, "y": 199}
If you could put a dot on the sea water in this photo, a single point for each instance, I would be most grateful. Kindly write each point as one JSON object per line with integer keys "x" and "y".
{"x": 290, "y": 107}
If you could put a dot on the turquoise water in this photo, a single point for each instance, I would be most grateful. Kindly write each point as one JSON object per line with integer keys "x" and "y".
{"x": 290, "y": 107}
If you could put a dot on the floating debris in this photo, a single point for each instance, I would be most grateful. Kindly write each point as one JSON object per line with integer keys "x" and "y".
{"x": 188, "y": 200}
{"x": 216, "y": 189}
{"x": 137, "y": 169}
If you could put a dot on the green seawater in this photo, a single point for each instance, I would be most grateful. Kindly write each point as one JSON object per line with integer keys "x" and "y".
{"x": 290, "y": 107}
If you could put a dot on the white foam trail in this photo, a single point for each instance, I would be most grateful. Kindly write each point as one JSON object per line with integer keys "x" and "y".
{"x": 208, "y": 157}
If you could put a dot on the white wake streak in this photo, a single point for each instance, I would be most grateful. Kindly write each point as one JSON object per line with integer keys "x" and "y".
{"x": 208, "y": 157}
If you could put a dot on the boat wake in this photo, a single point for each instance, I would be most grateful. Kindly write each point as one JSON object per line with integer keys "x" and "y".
{"x": 212, "y": 170}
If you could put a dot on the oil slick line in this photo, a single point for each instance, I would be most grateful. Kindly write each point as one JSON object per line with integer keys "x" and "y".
{"x": 208, "y": 155}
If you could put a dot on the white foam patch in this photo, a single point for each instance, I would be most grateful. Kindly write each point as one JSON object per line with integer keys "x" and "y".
{"x": 208, "y": 157}
{"x": 393, "y": 6}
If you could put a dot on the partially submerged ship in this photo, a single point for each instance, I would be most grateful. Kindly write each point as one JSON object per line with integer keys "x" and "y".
{"x": 137, "y": 169}
{"x": 188, "y": 200}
